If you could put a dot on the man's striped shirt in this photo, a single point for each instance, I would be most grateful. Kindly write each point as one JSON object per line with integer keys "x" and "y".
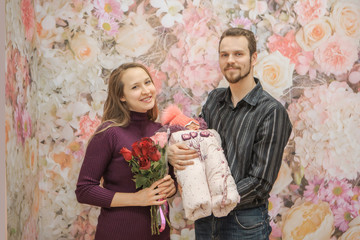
{"x": 254, "y": 135}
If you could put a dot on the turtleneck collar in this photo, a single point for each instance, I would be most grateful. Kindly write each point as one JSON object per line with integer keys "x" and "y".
{"x": 137, "y": 116}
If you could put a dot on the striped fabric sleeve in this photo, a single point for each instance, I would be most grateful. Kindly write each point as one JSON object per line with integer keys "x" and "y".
{"x": 271, "y": 138}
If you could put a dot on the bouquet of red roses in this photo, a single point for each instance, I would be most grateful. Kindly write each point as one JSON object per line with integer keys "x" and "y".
{"x": 148, "y": 164}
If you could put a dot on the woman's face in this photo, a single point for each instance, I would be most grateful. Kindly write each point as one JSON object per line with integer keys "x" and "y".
{"x": 139, "y": 90}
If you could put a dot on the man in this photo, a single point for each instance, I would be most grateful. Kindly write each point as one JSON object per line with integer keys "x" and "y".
{"x": 254, "y": 129}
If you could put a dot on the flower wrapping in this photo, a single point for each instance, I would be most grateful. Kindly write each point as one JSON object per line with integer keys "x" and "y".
{"x": 148, "y": 163}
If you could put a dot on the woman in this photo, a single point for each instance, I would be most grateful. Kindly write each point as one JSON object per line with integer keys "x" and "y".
{"x": 129, "y": 114}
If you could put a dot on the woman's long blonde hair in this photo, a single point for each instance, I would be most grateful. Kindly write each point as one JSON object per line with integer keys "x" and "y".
{"x": 116, "y": 111}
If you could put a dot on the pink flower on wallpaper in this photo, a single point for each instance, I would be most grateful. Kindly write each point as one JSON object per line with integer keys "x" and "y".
{"x": 83, "y": 228}
{"x": 276, "y": 230}
{"x": 338, "y": 192}
{"x": 157, "y": 76}
{"x": 241, "y": 22}
{"x": 29, "y": 230}
{"x": 343, "y": 214}
{"x": 10, "y": 79}
{"x": 312, "y": 190}
{"x": 87, "y": 127}
{"x": 195, "y": 21}
{"x": 308, "y": 10}
{"x": 76, "y": 149}
{"x": 26, "y": 124}
{"x": 200, "y": 79}
{"x": 193, "y": 61}
{"x": 24, "y": 71}
{"x": 28, "y": 18}
{"x": 355, "y": 201}
{"x": 108, "y": 25}
{"x": 275, "y": 204}
{"x": 183, "y": 102}
{"x": 356, "y": 195}
{"x": 325, "y": 119}
{"x": 305, "y": 60}
{"x": 354, "y": 75}
{"x": 286, "y": 45}
{"x": 108, "y": 8}
{"x": 337, "y": 55}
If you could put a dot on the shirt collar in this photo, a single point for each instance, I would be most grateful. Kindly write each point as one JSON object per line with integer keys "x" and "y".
{"x": 251, "y": 98}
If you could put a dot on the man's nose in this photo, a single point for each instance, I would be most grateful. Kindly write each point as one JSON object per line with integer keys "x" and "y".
{"x": 230, "y": 58}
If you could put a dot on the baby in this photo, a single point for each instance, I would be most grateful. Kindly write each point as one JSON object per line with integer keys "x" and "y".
{"x": 207, "y": 185}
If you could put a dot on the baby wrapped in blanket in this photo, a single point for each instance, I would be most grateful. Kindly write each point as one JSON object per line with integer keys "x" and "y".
{"x": 207, "y": 185}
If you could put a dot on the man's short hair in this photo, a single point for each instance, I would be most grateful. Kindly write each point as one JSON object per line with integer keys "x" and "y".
{"x": 241, "y": 32}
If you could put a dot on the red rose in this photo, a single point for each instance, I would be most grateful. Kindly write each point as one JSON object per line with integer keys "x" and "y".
{"x": 144, "y": 163}
{"x": 145, "y": 146}
{"x": 126, "y": 153}
{"x": 146, "y": 143}
{"x": 155, "y": 155}
{"x": 144, "y": 150}
{"x": 135, "y": 149}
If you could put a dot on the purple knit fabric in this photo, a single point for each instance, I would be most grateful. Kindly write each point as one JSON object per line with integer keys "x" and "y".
{"x": 103, "y": 159}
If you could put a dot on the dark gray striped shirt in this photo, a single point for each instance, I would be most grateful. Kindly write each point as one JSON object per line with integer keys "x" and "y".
{"x": 254, "y": 135}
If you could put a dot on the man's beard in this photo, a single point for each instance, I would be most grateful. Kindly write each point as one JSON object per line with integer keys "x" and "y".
{"x": 240, "y": 77}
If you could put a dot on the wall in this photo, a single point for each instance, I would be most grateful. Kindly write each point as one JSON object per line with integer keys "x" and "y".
{"x": 2, "y": 121}
{"x": 59, "y": 55}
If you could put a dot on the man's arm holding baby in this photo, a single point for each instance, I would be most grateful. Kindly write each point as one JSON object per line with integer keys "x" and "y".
{"x": 180, "y": 155}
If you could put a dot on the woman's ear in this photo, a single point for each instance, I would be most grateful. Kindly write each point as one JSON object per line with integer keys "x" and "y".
{"x": 123, "y": 99}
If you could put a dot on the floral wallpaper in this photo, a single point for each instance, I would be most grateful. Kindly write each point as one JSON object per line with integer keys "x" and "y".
{"x": 59, "y": 55}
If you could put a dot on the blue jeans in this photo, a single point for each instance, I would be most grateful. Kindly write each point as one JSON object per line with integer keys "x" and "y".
{"x": 243, "y": 224}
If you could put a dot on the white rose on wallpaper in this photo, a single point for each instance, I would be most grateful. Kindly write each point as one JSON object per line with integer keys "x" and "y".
{"x": 85, "y": 48}
{"x": 135, "y": 38}
{"x": 346, "y": 17}
{"x": 112, "y": 61}
{"x": 275, "y": 72}
{"x": 177, "y": 213}
{"x": 97, "y": 103}
{"x": 221, "y": 7}
{"x": 14, "y": 24}
{"x": 171, "y": 8}
{"x": 185, "y": 234}
{"x": 315, "y": 33}
{"x": 255, "y": 8}
{"x": 283, "y": 179}
{"x": 308, "y": 221}
{"x": 68, "y": 118}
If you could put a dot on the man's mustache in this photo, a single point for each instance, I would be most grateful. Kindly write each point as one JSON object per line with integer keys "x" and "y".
{"x": 231, "y": 66}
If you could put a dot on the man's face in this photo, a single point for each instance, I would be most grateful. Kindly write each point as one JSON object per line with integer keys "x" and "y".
{"x": 235, "y": 60}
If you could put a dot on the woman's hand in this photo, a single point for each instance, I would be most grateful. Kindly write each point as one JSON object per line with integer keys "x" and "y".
{"x": 156, "y": 194}
{"x": 179, "y": 155}
{"x": 153, "y": 195}
{"x": 167, "y": 187}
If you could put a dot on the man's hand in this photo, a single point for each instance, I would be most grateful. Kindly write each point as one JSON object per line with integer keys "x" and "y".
{"x": 179, "y": 155}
